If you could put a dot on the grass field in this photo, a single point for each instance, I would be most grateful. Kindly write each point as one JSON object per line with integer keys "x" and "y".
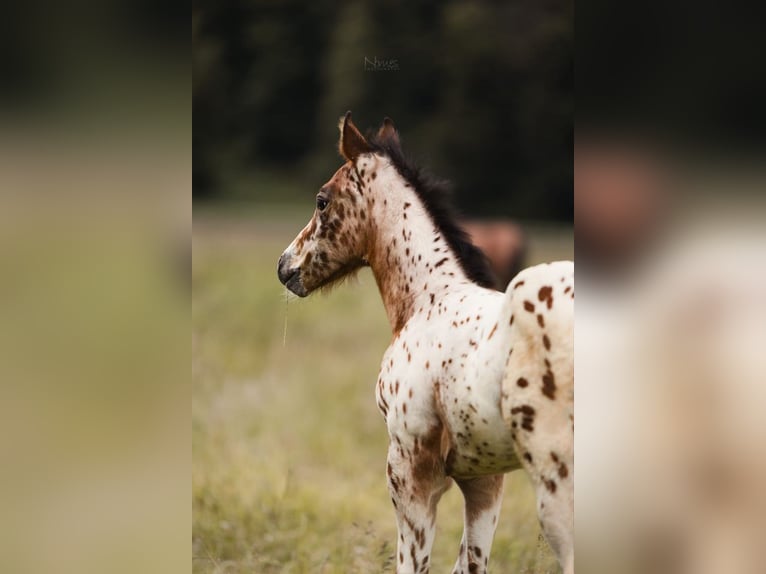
{"x": 288, "y": 446}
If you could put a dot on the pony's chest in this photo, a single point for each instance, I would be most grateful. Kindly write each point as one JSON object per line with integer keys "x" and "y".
{"x": 405, "y": 388}
{"x": 429, "y": 354}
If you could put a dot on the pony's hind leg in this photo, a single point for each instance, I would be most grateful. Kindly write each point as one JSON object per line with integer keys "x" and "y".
{"x": 483, "y": 497}
{"x": 556, "y": 513}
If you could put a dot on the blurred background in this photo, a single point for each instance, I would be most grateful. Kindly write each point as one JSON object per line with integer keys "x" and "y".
{"x": 480, "y": 91}
{"x": 288, "y": 445}
{"x": 670, "y": 212}
{"x": 95, "y": 219}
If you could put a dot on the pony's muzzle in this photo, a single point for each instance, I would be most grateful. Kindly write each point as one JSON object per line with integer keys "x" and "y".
{"x": 290, "y": 278}
{"x": 284, "y": 272}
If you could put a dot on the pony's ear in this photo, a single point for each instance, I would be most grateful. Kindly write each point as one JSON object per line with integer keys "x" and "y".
{"x": 352, "y": 143}
{"x": 387, "y": 133}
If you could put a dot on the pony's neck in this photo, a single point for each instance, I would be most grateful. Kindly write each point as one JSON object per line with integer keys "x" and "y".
{"x": 410, "y": 258}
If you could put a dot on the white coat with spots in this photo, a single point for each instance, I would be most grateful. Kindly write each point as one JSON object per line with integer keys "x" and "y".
{"x": 475, "y": 382}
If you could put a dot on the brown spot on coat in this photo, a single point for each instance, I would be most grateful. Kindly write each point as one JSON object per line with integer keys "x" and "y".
{"x": 550, "y": 485}
{"x": 429, "y": 466}
{"x": 528, "y": 416}
{"x": 420, "y": 537}
{"x": 546, "y": 294}
{"x": 527, "y": 424}
{"x": 549, "y": 385}
{"x": 523, "y": 409}
{"x": 529, "y": 306}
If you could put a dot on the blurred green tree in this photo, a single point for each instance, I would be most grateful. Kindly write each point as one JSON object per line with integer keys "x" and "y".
{"x": 482, "y": 92}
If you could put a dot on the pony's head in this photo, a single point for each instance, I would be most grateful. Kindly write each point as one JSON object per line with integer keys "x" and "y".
{"x": 336, "y": 240}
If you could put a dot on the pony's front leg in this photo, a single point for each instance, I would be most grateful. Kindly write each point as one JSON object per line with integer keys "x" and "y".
{"x": 483, "y": 497}
{"x": 416, "y": 481}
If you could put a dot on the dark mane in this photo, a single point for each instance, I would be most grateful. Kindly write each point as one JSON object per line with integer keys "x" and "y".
{"x": 437, "y": 199}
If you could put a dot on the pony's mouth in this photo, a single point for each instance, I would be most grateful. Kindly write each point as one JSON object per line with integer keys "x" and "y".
{"x": 291, "y": 278}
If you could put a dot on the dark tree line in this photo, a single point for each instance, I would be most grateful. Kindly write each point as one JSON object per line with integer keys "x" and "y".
{"x": 481, "y": 91}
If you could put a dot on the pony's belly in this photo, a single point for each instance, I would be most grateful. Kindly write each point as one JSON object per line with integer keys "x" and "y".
{"x": 481, "y": 441}
{"x": 471, "y": 463}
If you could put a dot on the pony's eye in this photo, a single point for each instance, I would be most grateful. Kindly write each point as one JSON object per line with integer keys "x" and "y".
{"x": 321, "y": 203}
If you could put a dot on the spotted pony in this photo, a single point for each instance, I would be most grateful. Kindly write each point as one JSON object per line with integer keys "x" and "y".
{"x": 475, "y": 382}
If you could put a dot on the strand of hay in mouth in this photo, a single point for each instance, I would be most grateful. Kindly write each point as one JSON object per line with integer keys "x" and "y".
{"x": 287, "y": 303}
